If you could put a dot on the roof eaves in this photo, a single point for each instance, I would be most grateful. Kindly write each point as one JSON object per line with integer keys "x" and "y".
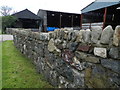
{"x": 58, "y": 11}
{"x": 87, "y": 6}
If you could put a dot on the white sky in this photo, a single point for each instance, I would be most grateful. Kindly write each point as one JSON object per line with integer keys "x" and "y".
{"x": 73, "y": 6}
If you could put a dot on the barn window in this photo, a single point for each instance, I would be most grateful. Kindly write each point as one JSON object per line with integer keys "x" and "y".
{"x": 118, "y": 8}
{"x": 53, "y": 14}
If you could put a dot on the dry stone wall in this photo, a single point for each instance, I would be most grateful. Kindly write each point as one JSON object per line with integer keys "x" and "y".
{"x": 71, "y": 58}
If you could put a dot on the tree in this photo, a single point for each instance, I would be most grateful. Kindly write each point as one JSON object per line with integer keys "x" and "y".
{"x": 5, "y": 10}
{"x": 7, "y": 22}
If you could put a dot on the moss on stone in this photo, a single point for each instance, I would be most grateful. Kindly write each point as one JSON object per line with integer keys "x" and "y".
{"x": 99, "y": 81}
{"x": 88, "y": 72}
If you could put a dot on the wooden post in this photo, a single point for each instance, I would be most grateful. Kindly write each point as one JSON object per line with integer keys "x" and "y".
{"x": 81, "y": 17}
{"x": 104, "y": 17}
{"x": 72, "y": 21}
{"x": 60, "y": 20}
{"x": 90, "y": 26}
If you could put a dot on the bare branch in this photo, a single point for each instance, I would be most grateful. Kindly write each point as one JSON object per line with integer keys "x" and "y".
{"x": 5, "y": 10}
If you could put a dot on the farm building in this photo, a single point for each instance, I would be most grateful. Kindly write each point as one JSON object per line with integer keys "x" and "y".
{"x": 101, "y": 12}
{"x": 27, "y": 19}
{"x": 58, "y": 19}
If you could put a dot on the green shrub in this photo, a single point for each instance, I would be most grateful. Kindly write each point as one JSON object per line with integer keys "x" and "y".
{"x": 7, "y": 22}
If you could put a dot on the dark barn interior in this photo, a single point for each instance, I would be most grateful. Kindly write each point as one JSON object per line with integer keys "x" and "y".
{"x": 113, "y": 16}
{"x": 62, "y": 19}
{"x": 26, "y": 23}
{"x": 76, "y": 20}
{"x": 53, "y": 19}
{"x": 66, "y": 20}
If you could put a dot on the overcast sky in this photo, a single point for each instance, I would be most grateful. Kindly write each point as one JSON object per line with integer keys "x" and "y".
{"x": 73, "y": 6}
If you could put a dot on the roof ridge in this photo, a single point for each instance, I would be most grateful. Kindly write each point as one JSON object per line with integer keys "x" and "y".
{"x": 26, "y": 14}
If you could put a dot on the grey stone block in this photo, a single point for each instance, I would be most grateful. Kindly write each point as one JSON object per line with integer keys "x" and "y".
{"x": 92, "y": 59}
{"x": 114, "y": 53}
{"x": 106, "y": 35}
{"x": 111, "y": 64}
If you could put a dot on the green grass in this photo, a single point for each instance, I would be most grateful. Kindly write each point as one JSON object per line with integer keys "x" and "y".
{"x": 18, "y": 71}
{"x": 0, "y": 31}
{"x": 0, "y": 65}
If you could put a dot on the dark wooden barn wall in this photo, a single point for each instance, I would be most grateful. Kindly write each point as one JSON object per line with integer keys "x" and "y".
{"x": 53, "y": 19}
{"x": 27, "y": 23}
{"x": 76, "y": 20}
{"x": 66, "y": 19}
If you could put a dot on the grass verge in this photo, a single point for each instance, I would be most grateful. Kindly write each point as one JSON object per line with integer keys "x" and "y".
{"x": 0, "y": 65}
{"x": 18, "y": 71}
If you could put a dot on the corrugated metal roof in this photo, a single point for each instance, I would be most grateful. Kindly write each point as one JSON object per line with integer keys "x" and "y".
{"x": 98, "y": 4}
{"x": 26, "y": 14}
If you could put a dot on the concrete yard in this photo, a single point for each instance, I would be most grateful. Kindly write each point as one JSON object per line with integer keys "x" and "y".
{"x": 6, "y": 37}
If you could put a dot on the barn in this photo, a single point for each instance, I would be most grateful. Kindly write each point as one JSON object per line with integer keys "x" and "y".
{"x": 58, "y": 19}
{"x": 27, "y": 19}
{"x": 102, "y": 13}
